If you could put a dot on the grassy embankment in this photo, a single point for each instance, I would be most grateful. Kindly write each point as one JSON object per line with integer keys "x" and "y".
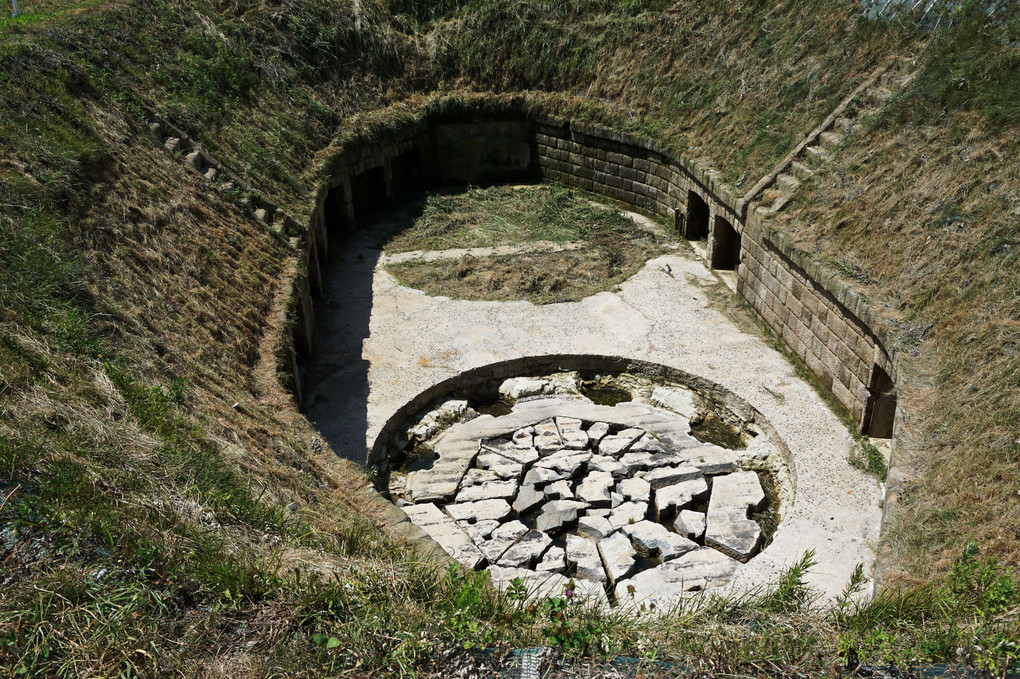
{"x": 151, "y": 527}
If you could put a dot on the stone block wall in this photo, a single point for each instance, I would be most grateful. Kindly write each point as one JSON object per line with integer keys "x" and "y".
{"x": 816, "y": 315}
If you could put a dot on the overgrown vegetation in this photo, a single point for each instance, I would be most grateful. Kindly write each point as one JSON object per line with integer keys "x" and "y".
{"x": 164, "y": 508}
{"x": 607, "y": 247}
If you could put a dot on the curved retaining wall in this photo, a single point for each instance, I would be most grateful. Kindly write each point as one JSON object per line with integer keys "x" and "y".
{"x": 822, "y": 322}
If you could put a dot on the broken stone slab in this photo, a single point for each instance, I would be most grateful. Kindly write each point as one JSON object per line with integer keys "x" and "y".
{"x": 636, "y": 489}
{"x": 679, "y": 495}
{"x": 653, "y": 539}
{"x": 739, "y": 490}
{"x": 524, "y": 437}
{"x": 664, "y": 585}
{"x": 446, "y": 533}
{"x": 677, "y": 399}
{"x": 618, "y": 556}
{"x": 604, "y": 512}
{"x": 571, "y": 434}
{"x": 558, "y": 513}
{"x": 732, "y": 533}
{"x": 690, "y": 524}
{"x": 667, "y": 458}
{"x": 526, "y": 551}
{"x": 510, "y": 450}
{"x": 538, "y": 476}
{"x": 596, "y": 432}
{"x": 502, "y": 539}
{"x": 594, "y": 527}
{"x": 595, "y": 489}
{"x": 728, "y": 528}
{"x": 479, "y": 532}
{"x": 602, "y": 463}
{"x": 482, "y": 510}
{"x": 534, "y": 586}
{"x": 617, "y": 444}
{"x": 487, "y": 491}
{"x": 647, "y": 444}
{"x": 566, "y": 461}
{"x": 440, "y": 483}
{"x": 528, "y": 497}
{"x": 661, "y": 477}
{"x": 547, "y": 437}
{"x": 519, "y": 387}
{"x": 554, "y": 560}
{"x": 559, "y": 490}
{"x": 712, "y": 459}
{"x": 475, "y": 477}
{"x": 636, "y": 461}
{"x": 628, "y": 512}
{"x": 583, "y": 553}
{"x": 615, "y": 500}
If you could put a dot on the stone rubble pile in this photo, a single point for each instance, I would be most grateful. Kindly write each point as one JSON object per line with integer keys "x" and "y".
{"x": 625, "y": 515}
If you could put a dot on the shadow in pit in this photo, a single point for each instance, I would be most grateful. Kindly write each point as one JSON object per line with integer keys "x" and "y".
{"x": 335, "y": 381}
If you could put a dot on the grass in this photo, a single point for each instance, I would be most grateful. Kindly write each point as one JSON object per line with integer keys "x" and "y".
{"x": 507, "y": 215}
{"x": 613, "y": 247}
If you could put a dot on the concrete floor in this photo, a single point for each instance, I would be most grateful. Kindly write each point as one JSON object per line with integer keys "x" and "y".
{"x": 381, "y": 343}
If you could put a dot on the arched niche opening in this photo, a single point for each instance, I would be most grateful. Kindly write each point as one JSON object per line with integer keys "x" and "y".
{"x": 726, "y": 252}
{"x": 880, "y": 410}
{"x": 696, "y": 227}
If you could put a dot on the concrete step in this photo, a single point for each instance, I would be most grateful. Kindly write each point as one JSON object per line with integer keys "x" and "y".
{"x": 830, "y": 140}
{"x": 787, "y": 183}
{"x": 801, "y": 171}
{"x": 816, "y": 155}
{"x": 780, "y": 203}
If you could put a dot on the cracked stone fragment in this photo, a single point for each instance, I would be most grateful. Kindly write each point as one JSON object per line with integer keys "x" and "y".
{"x": 502, "y": 538}
{"x": 541, "y": 475}
{"x": 601, "y": 463}
{"x": 690, "y": 524}
{"x": 479, "y": 532}
{"x": 475, "y": 477}
{"x": 677, "y": 399}
{"x": 566, "y": 461}
{"x": 653, "y": 539}
{"x": 628, "y": 512}
{"x": 712, "y": 459}
{"x": 527, "y": 549}
{"x": 446, "y": 533}
{"x": 665, "y": 584}
{"x": 615, "y": 500}
{"x": 479, "y": 511}
{"x": 667, "y": 458}
{"x": 635, "y": 489}
{"x": 559, "y": 490}
{"x": 597, "y": 432}
{"x": 635, "y": 462}
{"x": 537, "y": 586}
{"x": 528, "y": 497}
{"x": 439, "y": 483}
{"x": 594, "y": 489}
{"x": 557, "y": 513}
{"x": 617, "y": 444}
{"x": 594, "y": 527}
{"x": 488, "y": 491}
{"x": 547, "y": 437}
{"x": 584, "y": 554}
{"x": 501, "y": 466}
{"x": 618, "y": 556}
{"x": 554, "y": 559}
{"x": 648, "y": 444}
{"x": 604, "y": 512}
{"x": 518, "y": 387}
{"x": 727, "y": 527}
{"x": 525, "y": 437}
{"x": 679, "y": 495}
{"x": 510, "y": 451}
{"x": 667, "y": 476}
{"x": 571, "y": 434}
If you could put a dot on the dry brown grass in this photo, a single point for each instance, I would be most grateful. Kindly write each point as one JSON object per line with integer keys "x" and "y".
{"x": 928, "y": 215}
